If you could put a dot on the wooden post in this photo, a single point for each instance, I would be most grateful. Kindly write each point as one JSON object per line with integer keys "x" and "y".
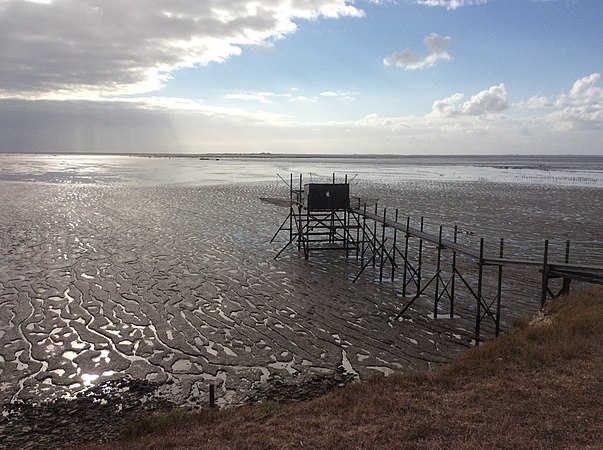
{"x": 420, "y": 259}
{"x": 499, "y": 293}
{"x": 456, "y": 229}
{"x": 480, "y": 280}
{"x": 375, "y": 238}
{"x": 565, "y": 288}
{"x": 437, "y": 281}
{"x": 382, "y": 245}
{"x": 406, "y": 237}
{"x": 291, "y": 207}
{"x": 545, "y": 274}
{"x": 364, "y": 236}
{"x": 212, "y": 395}
{"x": 394, "y": 248}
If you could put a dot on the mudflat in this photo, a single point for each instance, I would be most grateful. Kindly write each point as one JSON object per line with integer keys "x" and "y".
{"x": 176, "y": 285}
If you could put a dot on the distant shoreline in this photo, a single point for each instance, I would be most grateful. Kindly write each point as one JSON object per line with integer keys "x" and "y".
{"x": 502, "y": 161}
{"x": 314, "y": 155}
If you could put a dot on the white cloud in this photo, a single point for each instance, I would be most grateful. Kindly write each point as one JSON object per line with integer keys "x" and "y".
{"x": 534, "y": 103}
{"x": 451, "y": 4}
{"x": 268, "y": 97}
{"x": 304, "y": 99}
{"x": 409, "y": 60}
{"x": 582, "y": 108}
{"x": 262, "y": 97}
{"x": 446, "y": 106}
{"x": 567, "y": 123}
{"x": 86, "y": 48}
{"x": 493, "y": 100}
{"x": 584, "y": 92}
{"x": 338, "y": 94}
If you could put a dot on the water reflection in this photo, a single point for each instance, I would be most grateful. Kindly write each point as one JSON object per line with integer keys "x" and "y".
{"x": 134, "y": 169}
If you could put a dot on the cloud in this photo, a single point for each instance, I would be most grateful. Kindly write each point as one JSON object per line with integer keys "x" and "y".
{"x": 534, "y": 103}
{"x": 86, "y": 48}
{"x": 267, "y": 97}
{"x": 493, "y": 100}
{"x": 451, "y": 4}
{"x": 252, "y": 96}
{"x": 581, "y": 108}
{"x": 566, "y": 123}
{"x": 584, "y": 92}
{"x": 408, "y": 60}
{"x": 338, "y": 94}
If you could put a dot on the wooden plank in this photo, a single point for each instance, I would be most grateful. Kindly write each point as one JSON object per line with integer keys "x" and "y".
{"x": 415, "y": 232}
{"x": 571, "y": 270}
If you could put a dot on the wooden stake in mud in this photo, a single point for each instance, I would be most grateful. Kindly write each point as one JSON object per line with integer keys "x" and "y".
{"x": 565, "y": 288}
{"x": 436, "y": 297}
{"x": 480, "y": 280}
{"x": 364, "y": 237}
{"x": 406, "y": 237}
{"x": 375, "y": 239}
{"x": 212, "y": 395}
{"x": 420, "y": 258}
{"x": 499, "y": 293}
{"x": 394, "y": 251}
{"x": 382, "y": 245}
{"x": 545, "y": 274}
{"x": 456, "y": 229}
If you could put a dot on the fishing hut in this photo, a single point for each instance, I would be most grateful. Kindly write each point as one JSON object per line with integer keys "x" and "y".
{"x": 319, "y": 216}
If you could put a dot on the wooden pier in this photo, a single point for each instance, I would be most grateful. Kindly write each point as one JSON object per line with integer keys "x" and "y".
{"x": 423, "y": 263}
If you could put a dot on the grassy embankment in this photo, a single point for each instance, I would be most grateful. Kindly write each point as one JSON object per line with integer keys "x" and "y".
{"x": 540, "y": 386}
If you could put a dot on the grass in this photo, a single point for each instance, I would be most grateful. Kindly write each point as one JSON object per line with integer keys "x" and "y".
{"x": 540, "y": 386}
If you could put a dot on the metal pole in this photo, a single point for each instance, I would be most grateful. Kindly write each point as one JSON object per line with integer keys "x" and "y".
{"x": 357, "y": 218}
{"x": 363, "y": 237}
{"x": 480, "y": 279}
{"x": 456, "y": 229}
{"x": 499, "y": 293}
{"x": 375, "y": 238}
{"x": 307, "y": 237}
{"x": 420, "y": 259}
{"x": 406, "y": 237}
{"x": 394, "y": 250}
{"x": 438, "y": 279}
{"x": 382, "y": 245}
{"x": 300, "y": 227}
{"x": 291, "y": 207}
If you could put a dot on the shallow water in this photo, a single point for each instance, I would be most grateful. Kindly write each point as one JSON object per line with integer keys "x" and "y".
{"x": 162, "y": 269}
{"x": 550, "y": 170}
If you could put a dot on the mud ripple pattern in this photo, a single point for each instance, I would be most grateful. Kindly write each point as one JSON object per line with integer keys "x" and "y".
{"x": 177, "y": 284}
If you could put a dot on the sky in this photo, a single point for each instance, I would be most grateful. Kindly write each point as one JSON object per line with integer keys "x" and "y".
{"x": 415, "y": 77}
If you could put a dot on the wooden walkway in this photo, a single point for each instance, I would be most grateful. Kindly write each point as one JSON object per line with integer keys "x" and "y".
{"x": 581, "y": 267}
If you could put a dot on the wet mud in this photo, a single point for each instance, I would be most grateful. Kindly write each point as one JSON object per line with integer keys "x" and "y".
{"x": 176, "y": 287}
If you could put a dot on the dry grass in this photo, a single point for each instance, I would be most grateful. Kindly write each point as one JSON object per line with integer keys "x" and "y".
{"x": 537, "y": 387}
